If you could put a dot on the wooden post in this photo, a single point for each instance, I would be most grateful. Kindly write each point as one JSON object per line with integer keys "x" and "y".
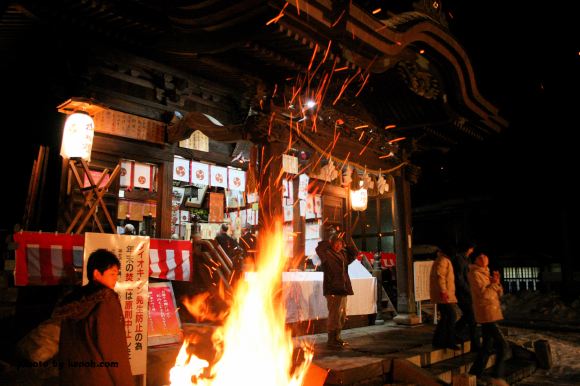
{"x": 164, "y": 192}
{"x": 406, "y": 307}
{"x": 29, "y": 216}
{"x": 299, "y": 223}
{"x": 44, "y": 166}
{"x": 543, "y": 353}
{"x": 93, "y": 198}
{"x": 270, "y": 184}
{"x": 26, "y": 214}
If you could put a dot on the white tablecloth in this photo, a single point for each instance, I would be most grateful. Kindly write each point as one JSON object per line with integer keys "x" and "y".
{"x": 304, "y": 300}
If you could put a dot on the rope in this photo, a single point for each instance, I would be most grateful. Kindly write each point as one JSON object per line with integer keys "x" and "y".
{"x": 338, "y": 160}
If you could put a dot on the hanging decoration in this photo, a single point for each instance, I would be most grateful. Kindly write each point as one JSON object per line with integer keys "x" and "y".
{"x": 382, "y": 185}
{"x": 328, "y": 172}
{"x": 347, "y": 176}
{"x": 368, "y": 182}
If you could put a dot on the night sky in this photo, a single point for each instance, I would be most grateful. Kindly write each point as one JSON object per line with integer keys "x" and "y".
{"x": 526, "y": 62}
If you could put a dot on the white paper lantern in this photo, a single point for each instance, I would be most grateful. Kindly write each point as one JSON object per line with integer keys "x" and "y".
{"x": 77, "y": 137}
{"x": 359, "y": 199}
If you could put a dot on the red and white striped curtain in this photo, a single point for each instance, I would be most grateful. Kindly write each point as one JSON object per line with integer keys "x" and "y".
{"x": 170, "y": 259}
{"x": 50, "y": 259}
{"x": 47, "y": 258}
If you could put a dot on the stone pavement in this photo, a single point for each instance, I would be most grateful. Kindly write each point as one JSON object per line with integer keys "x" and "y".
{"x": 376, "y": 355}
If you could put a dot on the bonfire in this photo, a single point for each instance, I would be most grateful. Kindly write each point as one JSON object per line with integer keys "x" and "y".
{"x": 253, "y": 345}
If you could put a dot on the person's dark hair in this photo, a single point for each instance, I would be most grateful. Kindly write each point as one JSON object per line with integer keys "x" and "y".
{"x": 101, "y": 260}
{"x": 464, "y": 245}
{"x": 445, "y": 248}
{"x": 225, "y": 227}
{"x": 475, "y": 254}
{"x": 334, "y": 237}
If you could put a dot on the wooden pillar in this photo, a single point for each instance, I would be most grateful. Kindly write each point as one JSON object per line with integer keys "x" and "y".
{"x": 270, "y": 184}
{"x": 63, "y": 217}
{"x": 164, "y": 192}
{"x": 402, "y": 223}
{"x": 299, "y": 224}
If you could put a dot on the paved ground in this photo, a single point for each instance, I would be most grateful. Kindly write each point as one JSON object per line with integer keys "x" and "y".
{"x": 370, "y": 348}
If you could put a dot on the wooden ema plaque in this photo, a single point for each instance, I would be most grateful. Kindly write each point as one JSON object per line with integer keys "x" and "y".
{"x": 130, "y": 126}
{"x": 216, "y": 207}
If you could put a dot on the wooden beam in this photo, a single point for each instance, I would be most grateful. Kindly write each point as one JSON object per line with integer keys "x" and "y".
{"x": 194, "y": 120}
{"x": 131, "y": 149}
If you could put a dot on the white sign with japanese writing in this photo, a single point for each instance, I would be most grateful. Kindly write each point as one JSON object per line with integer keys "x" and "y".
{"x": 132, "y": 287}
{"x": 421, "y": 275}
{"x": 289, "y": 164}
{"x": 303, "y": 186}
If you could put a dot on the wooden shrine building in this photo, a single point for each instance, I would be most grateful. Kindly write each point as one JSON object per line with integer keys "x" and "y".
{"x": 274, "y": 89}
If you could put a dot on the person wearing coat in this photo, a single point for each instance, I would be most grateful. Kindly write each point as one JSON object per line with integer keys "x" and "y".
{"x": 336, "y": 285}
{"x": 463, "y": 292}
{"x": 92, "y": 347}
{"x": 486, "y": 291}
{"x": 228, "y": 243}
{"x": 442, "y": 291}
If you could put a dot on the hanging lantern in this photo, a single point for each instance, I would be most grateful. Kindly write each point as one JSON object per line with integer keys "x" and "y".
{"x": 359, "y": 198}
{"x": 77, "y": 137}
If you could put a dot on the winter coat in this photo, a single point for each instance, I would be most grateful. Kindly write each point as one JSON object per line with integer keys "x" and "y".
{"x": 485, "y": 295}
{"x": 335, "y": 267}
{"x": 442, "y": 280}
{"x": 228, "y": 243}
{"x": 93, "y": 332}
{"x": 460, "y": 270}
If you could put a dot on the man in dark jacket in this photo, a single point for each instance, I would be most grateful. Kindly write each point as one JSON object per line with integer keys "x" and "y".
{"x": 336, "y": 284}
{"x": 93, "y": 330}
{"x": 461, "y": 268}
{"x": 227, "y": 242}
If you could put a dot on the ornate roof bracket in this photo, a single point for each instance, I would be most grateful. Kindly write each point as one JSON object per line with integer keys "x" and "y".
{"x": 391, "y": 44}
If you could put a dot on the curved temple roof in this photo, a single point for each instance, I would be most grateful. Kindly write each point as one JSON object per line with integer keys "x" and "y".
{"x": 406, "y": 69}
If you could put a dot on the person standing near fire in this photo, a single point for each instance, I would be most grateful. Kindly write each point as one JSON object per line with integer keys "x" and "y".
{"x": 227, "y": 242}
{"x": 442, "y": 289}
{"x": 93, "y": 328}
{"x": 336, "y": 285}
{"x": 467, "y": 322}
{"x": 486, "y": 291}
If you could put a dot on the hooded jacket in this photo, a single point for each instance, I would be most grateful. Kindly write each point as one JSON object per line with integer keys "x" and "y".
{"x": 335, "y": 267}
{"x": 92, "y": 335}
{"x": 485, "y": 295}
{"x": 442, "y": 280}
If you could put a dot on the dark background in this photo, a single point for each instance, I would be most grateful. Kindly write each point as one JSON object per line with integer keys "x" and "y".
{"x": 526, "y": 62}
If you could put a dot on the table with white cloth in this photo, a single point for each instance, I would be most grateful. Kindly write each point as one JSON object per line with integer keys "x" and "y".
{"x": 304, "y": 299}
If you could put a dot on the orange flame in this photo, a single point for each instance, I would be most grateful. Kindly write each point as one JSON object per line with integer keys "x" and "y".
{"x": 253, "y": 345}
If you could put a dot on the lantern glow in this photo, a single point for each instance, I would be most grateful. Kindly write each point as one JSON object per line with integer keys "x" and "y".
{"x": 359, "y": 198}
{"x": 77, "y": 137}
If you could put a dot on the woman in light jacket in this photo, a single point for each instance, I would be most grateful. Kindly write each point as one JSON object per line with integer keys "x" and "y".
{"x": 442, "y": 290}
{"x": 486, "y": 291}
